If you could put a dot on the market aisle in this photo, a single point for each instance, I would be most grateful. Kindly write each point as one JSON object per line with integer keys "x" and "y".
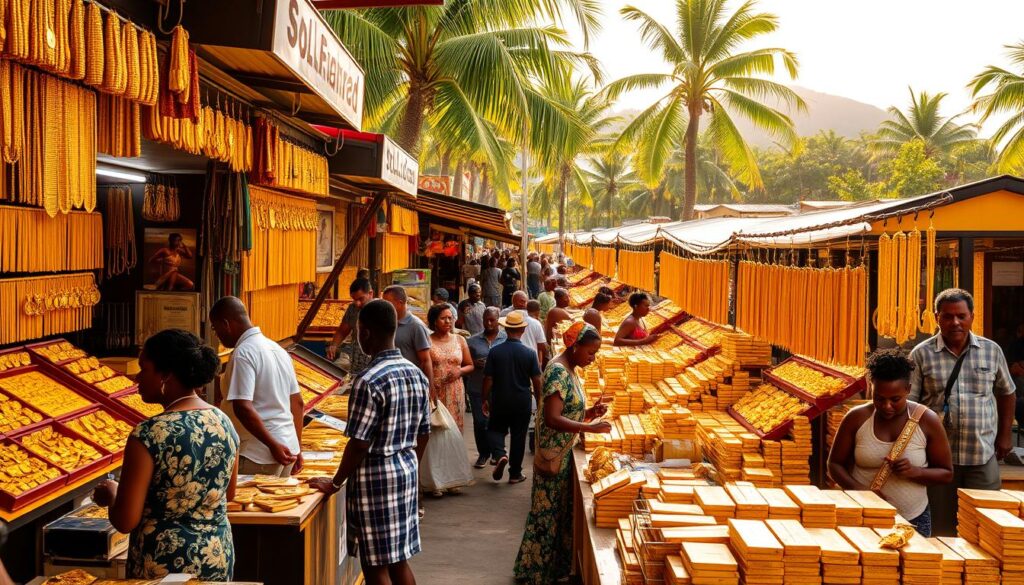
{"x": 474, "y": 537}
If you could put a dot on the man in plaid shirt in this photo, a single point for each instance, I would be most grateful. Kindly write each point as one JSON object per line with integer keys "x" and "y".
{"x": 980, "y": 410}
{"x": 388, "y": 428}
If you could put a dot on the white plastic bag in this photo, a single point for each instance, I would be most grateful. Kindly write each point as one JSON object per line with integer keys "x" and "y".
{"x": 445, "y": 464}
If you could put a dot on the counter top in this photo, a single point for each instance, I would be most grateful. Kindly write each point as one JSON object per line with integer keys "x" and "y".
{"x": 595, "y": 548}
{"x": 297, "y": 516}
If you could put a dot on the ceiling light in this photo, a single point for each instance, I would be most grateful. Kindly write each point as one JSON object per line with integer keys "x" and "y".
{"x": 131, "y": 177}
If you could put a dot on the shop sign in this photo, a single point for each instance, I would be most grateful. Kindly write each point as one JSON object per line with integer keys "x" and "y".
{"x": 441, "y": 184}
{"x": 398, "y": 168}
{"x": 309, "y": 48}
{"x": 156, "y": 311}
{"x": 1008, "y": 274}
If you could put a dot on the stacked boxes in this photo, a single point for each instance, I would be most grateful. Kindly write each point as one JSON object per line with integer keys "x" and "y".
{"x": 848, "y": 511}
{"x": 750, "y": 505}
{"x": 760, "y": 553}
{"x": 802, "y": 553}
{"x": 710, "y": 564}
{"x": 971, "y": 500}
{"x": 780, "y": 505}
{"x": 840, "y": 560}
{"x": 952, "y": 564}
{"x": 920, "y": 561}
{"x": 881, "y": 566}
{"x": 877, "y": 512}
{"x": 816, "y": 510}
{"x": 715, "y": 501}
{"x": 1001, "y": 534}
{"x": 980, "y": 568}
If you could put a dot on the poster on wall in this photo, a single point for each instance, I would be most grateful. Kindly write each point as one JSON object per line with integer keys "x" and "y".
{"x": 156, "y": 311}
{"x": 170, "y": 259}
{"x": 324, "y": 240}
{"x": 1008, "y": 274}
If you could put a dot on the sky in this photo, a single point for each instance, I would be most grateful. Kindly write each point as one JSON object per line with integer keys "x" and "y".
{"x": 867, "y": 50}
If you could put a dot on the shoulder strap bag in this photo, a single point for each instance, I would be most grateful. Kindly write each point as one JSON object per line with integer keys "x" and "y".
{"x": 547, "y": 462}
{"x": 947, "y": 419}
{"x": 898, "y": 447}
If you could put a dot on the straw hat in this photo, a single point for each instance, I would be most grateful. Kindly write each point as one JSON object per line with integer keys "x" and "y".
{"x": 514, "y": 320}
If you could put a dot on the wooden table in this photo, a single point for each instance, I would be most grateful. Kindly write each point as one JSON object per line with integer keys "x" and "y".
{"x": 81, "y": 487}
{"x": 1012, "y": 476}
{"x": 597, "y": 560}
{"x": 303, "y": 545}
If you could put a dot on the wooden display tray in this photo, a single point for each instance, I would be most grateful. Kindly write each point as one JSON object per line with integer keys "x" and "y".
{"x": 34, "y": 357}
{"x": 73, "y": 474}
{"x": 706, "y": 352}
{"x": 11, "y": 502}
{"x": 30, "y": 426}
{"x": 822, "y": 403}
{"x": 693, "y": 340}
{"x": 35, "y": 346}
{"x": 322, "y": 329}
{"x": 77, "y": 386}
{"x": 115, "y": 455}
{"x": 772, "y": 435}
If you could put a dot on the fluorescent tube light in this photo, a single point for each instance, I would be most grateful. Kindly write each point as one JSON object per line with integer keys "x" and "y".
{"x": 130, "y": 177}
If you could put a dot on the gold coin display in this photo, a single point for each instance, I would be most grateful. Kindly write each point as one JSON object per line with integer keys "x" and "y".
{"x": 21, "y": 471}
{"x": 808, "y": 379}
{"x": 9, "y": 361}
{"x": 43, "y": 393}
{"x": 61, "y": 351}
{"x": 103, "y": 429}
{"x": 59, "y": 449}
{"x": 767, "y": 407}
{"x": 311, "y": 378}
{"x": 135, "y": 402}
{"x": 14, "y": 415}
{"x": 115, "y": 384}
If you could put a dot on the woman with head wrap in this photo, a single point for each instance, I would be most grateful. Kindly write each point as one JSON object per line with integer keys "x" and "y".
{"x": 545, "y": 555}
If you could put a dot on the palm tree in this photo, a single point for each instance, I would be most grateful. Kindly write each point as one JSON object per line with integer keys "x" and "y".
{"x": 612, "y": 181}
{"x": 462, "y": 70}
{"x": 709, "y": 76}
{"x": 566, "y": 128}
{"x": 1005, "y": 94}
{"x": 941, "y": 135}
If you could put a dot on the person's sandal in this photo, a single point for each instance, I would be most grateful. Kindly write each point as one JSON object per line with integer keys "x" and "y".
{"x": 518, "y": 479}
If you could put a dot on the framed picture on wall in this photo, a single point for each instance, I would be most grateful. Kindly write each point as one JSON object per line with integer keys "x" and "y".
{"x": 324, "y": 239}
{"x": 170, "y": 259}
{"x": 156, "y": 311}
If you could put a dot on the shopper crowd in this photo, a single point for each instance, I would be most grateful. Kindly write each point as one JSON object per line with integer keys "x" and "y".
{"x": 940, "y": 418}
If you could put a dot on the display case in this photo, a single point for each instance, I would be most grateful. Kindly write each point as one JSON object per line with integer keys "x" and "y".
{"x": 327, "y": 319}
{"x": 417, "y": 285}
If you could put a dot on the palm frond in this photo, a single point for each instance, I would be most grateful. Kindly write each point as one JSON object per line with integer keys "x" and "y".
{"x": 655, "y": 34}
{"x": 615, "y": 89}
{"x": 659, "y": 138}
{"x": 735, "y": 151}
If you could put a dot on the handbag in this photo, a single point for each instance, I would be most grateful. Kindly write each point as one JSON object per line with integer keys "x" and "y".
{"x": 947, "y": 419}
{"x": 438, "y": 420}
{"x": 548, "y": 462}
{"x": 898, "y": 446}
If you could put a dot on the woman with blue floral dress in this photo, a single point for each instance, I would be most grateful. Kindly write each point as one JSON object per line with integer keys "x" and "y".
{"x": 179, "y": 469}
{"x": 545, "y": 556}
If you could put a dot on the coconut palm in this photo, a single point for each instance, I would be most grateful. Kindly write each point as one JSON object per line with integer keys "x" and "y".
{"x": 1005, "y": 94}
{"x": 462, "y": 70}
{"x": 710, "y": 76}
{"x": 923, "y": 121}
{"x": 612, "y": 183}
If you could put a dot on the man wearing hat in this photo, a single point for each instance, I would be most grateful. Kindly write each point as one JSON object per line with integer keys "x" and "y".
{"x": 440, "y": 297}
{"x": 511, "y": 381}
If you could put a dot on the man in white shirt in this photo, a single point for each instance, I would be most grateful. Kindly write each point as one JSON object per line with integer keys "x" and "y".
{"x": 534, "y": 337}
{"x": 263, "y": 397}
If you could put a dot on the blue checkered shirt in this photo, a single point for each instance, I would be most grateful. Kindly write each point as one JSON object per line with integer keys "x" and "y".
{"x": 388, "y": 407}
{"x": 972, "y": 404}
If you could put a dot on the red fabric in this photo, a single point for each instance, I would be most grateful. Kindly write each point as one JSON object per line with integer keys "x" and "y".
{"x": 170, "y": 107}
{"x": 640, "y": 331}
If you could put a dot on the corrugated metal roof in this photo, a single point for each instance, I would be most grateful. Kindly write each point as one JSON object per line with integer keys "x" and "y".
{"x": 483, "y": 220}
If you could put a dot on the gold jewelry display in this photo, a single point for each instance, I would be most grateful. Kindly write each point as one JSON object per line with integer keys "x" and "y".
{"x": 32, "y": 242}
{"x": 285, "y": 165}
{"x": 45, "y": 394}
{"x": 122, "y": 253}
{"x": 161, "y": 203}
{"x": 104, "y": 430}
{"x": 214, "y": 134}
{"x": 120, "y": 127}
{"x": 36, "y": 307}
{"x": 274, "y": 309}
{"x": 135, "y": 402}
{"x": 22, "y": 470}
{"x": 283, "y": 241}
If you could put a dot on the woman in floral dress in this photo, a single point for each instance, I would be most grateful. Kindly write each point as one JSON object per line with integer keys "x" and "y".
{"x": 545, "y": 556}
{"x": 451, "y": 359}
{"x": 179, "y": 469}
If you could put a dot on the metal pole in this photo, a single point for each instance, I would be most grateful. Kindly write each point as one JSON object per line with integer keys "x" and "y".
{"x": 523, "y": 206}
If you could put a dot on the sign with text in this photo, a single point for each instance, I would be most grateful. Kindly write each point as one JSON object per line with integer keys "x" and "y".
{"x": 441, "y": 184}
{"x": 307, "y": 46}
{"x": 398, "y": 168}
{"x": 156, "y": 311}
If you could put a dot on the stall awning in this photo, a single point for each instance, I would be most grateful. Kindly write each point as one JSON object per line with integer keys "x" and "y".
{"x": 286, "y": 51}
{"x": 475, "y": 218}
{"x": 344, "y": 4}
{"x": 373, "y": 162}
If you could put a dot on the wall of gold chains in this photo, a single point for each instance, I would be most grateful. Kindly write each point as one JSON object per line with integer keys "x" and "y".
{"x": 604, "y": 260}
{"x": 120, "y": 127}
{"x": 636, "y": 268}
{"x": 284, "y": 241}
{"x": 48, "y": 133}
{"x": 395, "y": 253}
{"x": 700, "y": 286}
{"x": 928, "y": 324}
{"x": 273, "y": 310}
{"x": 402, "y": 220}
{"x": 817, "y": 312}
{"x": 978, "y": 326}
{"x": 122, "y": 253}
{"x": 76, "y": 40}
{"x": 220, "y": 133}
{"x": 278, "y": 163}
{"x": 32, "y": 242}
{"x": 34, "y": 307}
{"x": 583, "y": 256}
{"x": 160, "y": 202}
{"x": 899, "y": 285}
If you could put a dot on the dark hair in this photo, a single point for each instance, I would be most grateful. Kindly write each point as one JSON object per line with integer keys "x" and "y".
{"x": 359, "y": 285}
{"x": 473, "y": 287}
{"x": 379, "y": 315}
{"x": 174, "y": 235}
{"x": 606, "y": 291}
{"x": 887, "y": 365}
{"x": 638, "y": 297}
{"x": 561, "y": 293}
{"x": 954, "y": 295}
{"x": 511, "y": 262}
{"x": 363, "y": 273}
{"x": 183, "y": 355}
{"x": 434, "y": 313}
{"x": 601, "y": 299}
{"x": 589, "y": 334}
{"x": 397, "y": 291}
{"x": 532, "y": 305}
